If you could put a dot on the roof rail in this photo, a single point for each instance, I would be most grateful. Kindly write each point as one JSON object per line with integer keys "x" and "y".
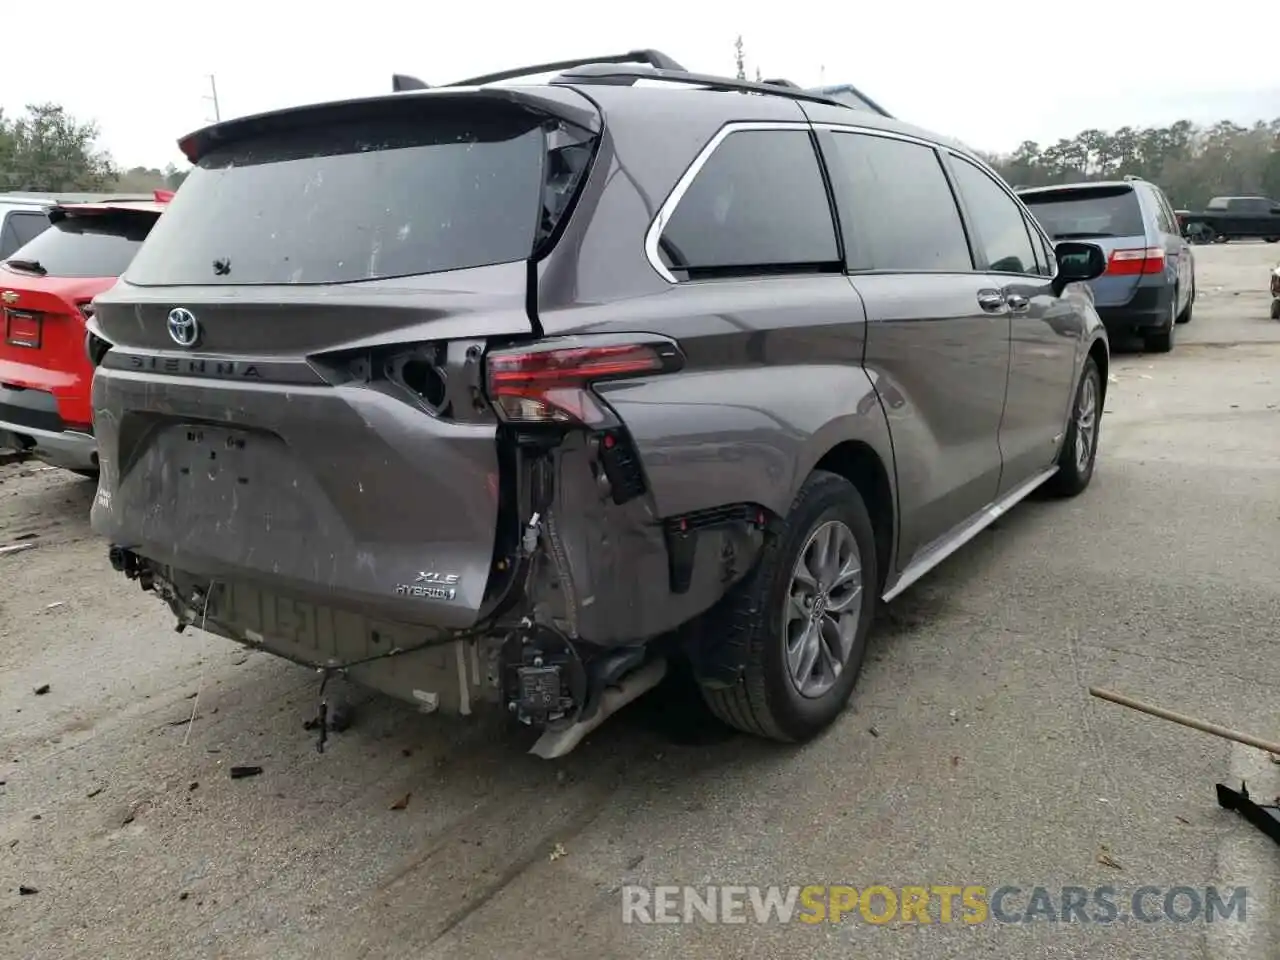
{"x": 597, "y": 72}
{"x": 654, "y": 58}
{"x": 779, "y": 82}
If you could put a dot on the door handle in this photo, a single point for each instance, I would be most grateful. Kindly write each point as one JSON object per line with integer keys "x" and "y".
{"x": 1017, "y": 302}
{"x": 992, "y": 301}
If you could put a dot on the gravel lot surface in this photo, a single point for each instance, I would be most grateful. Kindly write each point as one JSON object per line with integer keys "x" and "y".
{"x": 973, "y": 754}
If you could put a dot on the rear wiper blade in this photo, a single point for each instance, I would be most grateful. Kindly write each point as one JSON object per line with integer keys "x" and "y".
{"x": 30, "y": 266}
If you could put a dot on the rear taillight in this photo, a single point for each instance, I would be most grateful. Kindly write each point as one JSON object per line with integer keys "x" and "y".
{"x": 549, "y": 382}
{"x": 1135, "y": 262}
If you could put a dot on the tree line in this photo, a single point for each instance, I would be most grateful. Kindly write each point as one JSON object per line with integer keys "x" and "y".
{"x": 48, "y": 150}
{"x": 1190, "y": 163}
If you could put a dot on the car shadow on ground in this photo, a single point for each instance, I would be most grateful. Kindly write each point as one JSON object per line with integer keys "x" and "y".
{"x": 44, "y": 501}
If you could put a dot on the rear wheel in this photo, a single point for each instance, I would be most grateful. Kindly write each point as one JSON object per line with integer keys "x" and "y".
{"x": 1162, "y": 341}
{"x": 801, "y": 619}
{"x": 1185, "y": 315}
{"x": 1275, "y": 309}
{"x": 1080, "y": 446}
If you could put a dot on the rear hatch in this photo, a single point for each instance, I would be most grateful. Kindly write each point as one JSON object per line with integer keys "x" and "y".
{"x": 1109, "y": 215}
{"x": 291, "y": 396}
{"x": 46, "y": 287}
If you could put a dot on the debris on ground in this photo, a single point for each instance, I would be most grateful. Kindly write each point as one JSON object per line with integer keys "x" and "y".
{"x": 26, "y": 891}
{"x": 1182, "y": 820}
{"x": 193, "y": 784}
{"x": 94, "y": 792}
{"x": 41, "y": 690}
{"x": 402, "y": 802}
{"x": 55, "y": 605}
{"x": 183, "y": 895}
{"x": 558, "y": 851}
{"x": 16, "y": 548}
{"x": 239, "y": 773}
{"x": 1107, "y": 860}
{"x": 873, "y": 731}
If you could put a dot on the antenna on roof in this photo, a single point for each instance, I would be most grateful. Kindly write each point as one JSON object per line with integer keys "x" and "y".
{"x": 403, "y": 81}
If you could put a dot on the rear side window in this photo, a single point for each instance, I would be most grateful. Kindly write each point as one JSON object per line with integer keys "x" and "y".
{"x": 896, "y": 207}
{"x": 1164, "y": 214}
{"x": 89, "y": 244}
{"x": 1081, "y": 213}
{"x": 21, "y": 228}
{"x": 757, "y": 206}
{"x": 368, "y": 200}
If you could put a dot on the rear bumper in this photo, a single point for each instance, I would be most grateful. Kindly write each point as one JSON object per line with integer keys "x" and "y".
{"x": 29, "y": 421}
{"x": 68, "y": 449}
{"x": 1147, "y": 310}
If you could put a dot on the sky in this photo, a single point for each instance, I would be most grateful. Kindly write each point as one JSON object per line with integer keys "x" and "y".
{"x": 991, "y": 79}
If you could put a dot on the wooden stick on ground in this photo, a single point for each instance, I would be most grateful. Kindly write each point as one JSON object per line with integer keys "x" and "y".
{"x": 1213, "y": 728}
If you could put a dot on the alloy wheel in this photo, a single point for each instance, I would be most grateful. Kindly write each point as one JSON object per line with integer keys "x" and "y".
{"x": 823, "y": 607}
{"x": 1086, "y": 422}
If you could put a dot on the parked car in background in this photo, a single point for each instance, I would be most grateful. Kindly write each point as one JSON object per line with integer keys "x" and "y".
{"x": 22, "y": 219}
{"x": 520, "y": 438}
{"x": 1233, "y": 218}
{"x": 1150, "y": 283}
{"x": 46, "y": 289}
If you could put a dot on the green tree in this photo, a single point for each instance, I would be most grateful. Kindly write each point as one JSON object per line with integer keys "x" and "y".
{"x": 1190, "y": 163}
{"x": 173, "y": 177}
{"x": 48, "y": 150}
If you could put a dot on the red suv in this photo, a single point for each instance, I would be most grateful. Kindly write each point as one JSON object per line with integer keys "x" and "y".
{"x": 46, "y": 290}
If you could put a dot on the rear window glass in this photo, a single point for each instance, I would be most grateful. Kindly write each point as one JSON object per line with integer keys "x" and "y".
{"x": 1067, "y": 214}
{"x": 351, "y": 201}
{"x": 88, "y": 245}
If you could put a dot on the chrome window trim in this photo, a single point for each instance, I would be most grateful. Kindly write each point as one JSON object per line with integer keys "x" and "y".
{"x": 1028, "y": 217}
{"x": 668, "y": 208}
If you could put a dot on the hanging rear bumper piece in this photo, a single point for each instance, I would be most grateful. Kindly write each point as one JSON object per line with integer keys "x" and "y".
{"x": 1265, "y": 818}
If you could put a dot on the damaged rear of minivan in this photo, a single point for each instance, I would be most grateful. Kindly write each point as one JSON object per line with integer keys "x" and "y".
{"x": 329, "y": 426}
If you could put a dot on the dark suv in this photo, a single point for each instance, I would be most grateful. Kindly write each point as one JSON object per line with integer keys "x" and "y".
{"x": 521, "y": 393}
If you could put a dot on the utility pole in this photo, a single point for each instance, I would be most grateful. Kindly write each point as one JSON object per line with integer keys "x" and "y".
{"x": 213, "y": 87}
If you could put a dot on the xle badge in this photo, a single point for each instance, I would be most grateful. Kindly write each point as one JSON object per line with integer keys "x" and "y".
{"x": 431, "y": 585}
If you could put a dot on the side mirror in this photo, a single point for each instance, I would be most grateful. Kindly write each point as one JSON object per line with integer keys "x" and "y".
{"x": 1078, "y": 262}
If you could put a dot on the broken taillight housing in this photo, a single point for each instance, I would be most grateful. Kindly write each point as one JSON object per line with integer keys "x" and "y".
{"x": 550, "y": 382}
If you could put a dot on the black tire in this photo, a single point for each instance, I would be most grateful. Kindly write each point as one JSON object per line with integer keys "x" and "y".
{"x": 1073, "y": 476}
{"x": 1185, "y": 315}
{"x": 88, "y": 474}
{"x": 1162, "y": 340}
{"x": 1275, "y": 309}
{"x": 1272, "y": 239}
{"x": 765, "y": 701}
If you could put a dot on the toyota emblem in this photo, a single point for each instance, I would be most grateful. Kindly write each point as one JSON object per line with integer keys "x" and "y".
{"x": 183, "y": 328}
